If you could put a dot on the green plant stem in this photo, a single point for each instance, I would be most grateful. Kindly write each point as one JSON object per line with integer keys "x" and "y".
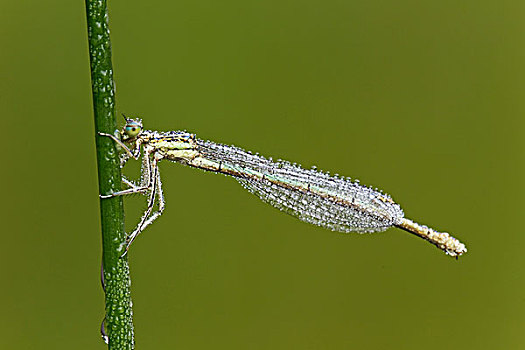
{"x": 118, "y": 321}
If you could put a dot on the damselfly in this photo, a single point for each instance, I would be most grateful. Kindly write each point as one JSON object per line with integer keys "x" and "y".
{"x": 336, "y": 203}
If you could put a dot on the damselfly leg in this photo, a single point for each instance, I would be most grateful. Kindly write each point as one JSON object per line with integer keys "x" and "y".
{"x": 156, "y": 196}
{"x": 150, "y": 183}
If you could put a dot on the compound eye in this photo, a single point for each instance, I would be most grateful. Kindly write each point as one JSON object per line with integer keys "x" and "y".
{"x": 133, "y": 129}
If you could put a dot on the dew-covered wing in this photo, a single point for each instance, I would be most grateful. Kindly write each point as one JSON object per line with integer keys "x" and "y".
{"x": 368, "y": 214}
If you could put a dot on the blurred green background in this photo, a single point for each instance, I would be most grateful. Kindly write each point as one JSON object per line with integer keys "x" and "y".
{"x": 421, "y": 99}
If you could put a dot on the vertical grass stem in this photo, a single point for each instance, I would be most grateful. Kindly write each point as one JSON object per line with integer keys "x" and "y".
{"x": 118, "y": 319}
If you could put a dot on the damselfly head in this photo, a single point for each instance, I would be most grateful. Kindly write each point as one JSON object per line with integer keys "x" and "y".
{"x": 132, "y": 129}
